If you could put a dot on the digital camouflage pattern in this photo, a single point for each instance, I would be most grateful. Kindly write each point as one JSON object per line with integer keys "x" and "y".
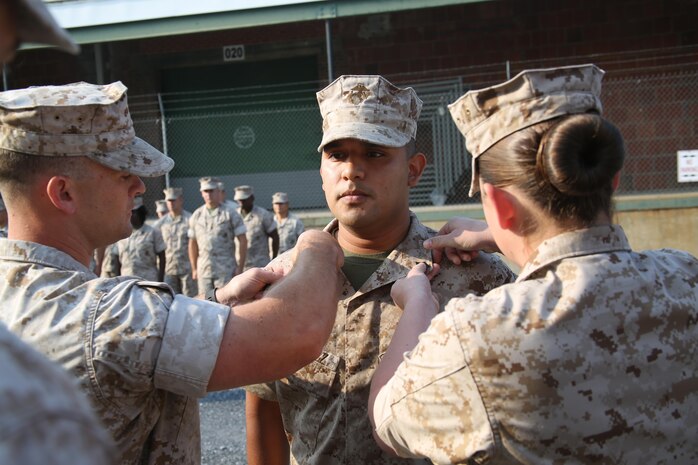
{"x": 141, "y": 355}
{"x": 486, "y": 116}
{"x": 588, "y": 358}
{"x": 110, "y": 262}
{"x": 259, "y": 223}
{"x": 324, "y": 405}
{"x": 289, "y": 229}
{"x": 175, "y": 233}
{"x": 214, "y": 231}
{"x": 78, "y": 119}
{"x": 44, "y": 418}
{"x": 138, "y": 253}
{"x": 368, "y": 108}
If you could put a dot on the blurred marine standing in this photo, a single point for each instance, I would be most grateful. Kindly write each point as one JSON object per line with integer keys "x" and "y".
{"x": 288, "y": 225}
{"x": 174, "y": 227}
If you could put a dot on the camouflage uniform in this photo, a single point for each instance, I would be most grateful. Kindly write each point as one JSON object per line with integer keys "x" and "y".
{"x": 110, "y": 262}
{"x": 214, "y": 231}
{"x": 588, "y": 358}
{"x": 324, "y": 405}
{"x": 3, "y": 233}
{"x": 259, "y": 223}
{"x": 141, "y": 354}
{"x": 43, "y": 416}
{"x": 138, "y": 253}
{"x": 289, "y": 229}
{"x": 174, "y": 232}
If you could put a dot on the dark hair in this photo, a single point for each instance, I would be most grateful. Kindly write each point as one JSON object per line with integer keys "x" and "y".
{"x": 565, "y": 165}
{"x": 18, "y": 170}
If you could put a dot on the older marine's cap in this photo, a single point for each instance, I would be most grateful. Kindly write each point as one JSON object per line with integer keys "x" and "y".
{"x": 36, "y": 24}
{"x": 209, "y": 183}
{"x": 78, "y": 119}
{"x": 137, "y": 203}
{"x": 243, "y": 192}
{"x": 172, "y": 193}
{"x": 221, "y": 185}
{"x": 486, "y": 116}
{"x": 279, "y": 197}
{"x": 368, "y": 108}
{"x": 161, "y": 206}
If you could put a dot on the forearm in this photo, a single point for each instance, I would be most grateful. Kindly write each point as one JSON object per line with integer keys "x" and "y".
{"x": 242, "y": 252}
{"x": 293, "y": 323}
{"x": 266, "y": 438}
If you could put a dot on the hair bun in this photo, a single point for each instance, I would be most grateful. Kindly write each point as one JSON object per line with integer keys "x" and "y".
{"x": 580, "y": 154}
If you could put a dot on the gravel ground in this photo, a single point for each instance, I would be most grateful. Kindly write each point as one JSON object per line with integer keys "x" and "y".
{"x": 223, "y": 428}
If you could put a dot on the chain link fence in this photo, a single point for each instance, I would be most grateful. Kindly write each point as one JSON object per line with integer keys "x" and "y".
{"x": 267, "y": 136}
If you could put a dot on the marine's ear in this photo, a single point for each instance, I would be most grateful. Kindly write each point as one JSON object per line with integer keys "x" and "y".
{"x": 504, "y": 205}
{"x": 60, "y": 192}
{"x": 415, "y": 165}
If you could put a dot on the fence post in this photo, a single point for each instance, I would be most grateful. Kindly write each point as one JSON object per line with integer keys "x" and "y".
{"x": 163, "y": 127}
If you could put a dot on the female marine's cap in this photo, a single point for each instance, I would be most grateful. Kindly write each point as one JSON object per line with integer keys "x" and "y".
{"x": 488, "y": 115}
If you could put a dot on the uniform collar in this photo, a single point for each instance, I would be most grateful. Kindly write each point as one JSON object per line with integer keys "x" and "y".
{"x": 590, "y": 241}
{"x": 31, "y": 252}
{"x": 406, "y": 255}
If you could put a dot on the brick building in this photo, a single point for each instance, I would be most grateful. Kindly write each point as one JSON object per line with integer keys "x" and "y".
{"x": 254, "y": 120}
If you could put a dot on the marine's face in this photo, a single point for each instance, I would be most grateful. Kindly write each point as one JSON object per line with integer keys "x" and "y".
{"x": 175, "y": 206}
{"x": 366, "y": 185}
{"x": 280, "y": 209}
{"x": 212, "y": 197}
{"x": 107, "y": 197}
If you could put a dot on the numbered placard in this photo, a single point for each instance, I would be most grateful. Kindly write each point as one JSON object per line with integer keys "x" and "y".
{"x": 233, "y": 52}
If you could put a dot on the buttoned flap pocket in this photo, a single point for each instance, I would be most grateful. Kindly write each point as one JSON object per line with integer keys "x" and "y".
{"x": 315, "y": 379}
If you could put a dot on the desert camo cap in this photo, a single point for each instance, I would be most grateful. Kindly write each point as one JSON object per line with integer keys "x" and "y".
{"x": 172, "y": 193}
{"x": 78, "y": 119}
{"x": 36, "y": 24}
{"x": 368, "y": 108}
{"x": 488, "y": 115}
{"x": 243, "y": 192}
{"x": 161, "y": 206}
{"x": 209, "y": 183}
{"x": 279, "y": 197}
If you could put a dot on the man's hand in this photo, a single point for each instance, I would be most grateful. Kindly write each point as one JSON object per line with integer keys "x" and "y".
{"x": 247, "y": 286}
{"x": 318, "y": 245}
{"x": 460, "y": 239}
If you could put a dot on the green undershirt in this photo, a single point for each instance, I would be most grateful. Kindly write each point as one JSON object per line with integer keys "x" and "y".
{"x": 358, "y": 268}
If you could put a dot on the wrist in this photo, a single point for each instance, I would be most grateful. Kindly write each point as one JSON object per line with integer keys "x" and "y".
{"x": 211, "y": 295}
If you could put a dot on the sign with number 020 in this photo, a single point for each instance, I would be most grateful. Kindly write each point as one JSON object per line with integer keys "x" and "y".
{"x": 233, "y": 52}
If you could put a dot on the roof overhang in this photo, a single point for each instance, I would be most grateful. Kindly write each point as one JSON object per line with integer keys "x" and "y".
{"x": 97, "y": 21}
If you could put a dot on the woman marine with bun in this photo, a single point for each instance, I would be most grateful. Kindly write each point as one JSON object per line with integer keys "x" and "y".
{"x": 590, "y": 356}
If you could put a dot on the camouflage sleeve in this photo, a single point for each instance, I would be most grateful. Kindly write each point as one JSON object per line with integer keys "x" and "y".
{"x": 143, "y": 337}
{"x": 431, "y": 407}
{"x": 190, "y": 345}
{"x": 44, "y": 417}
{"x": 264, "y": 391}
{"x": 269, "y": 223}
{"x": 191, "y": 232}
{"x": 299, "y": 227}
{"x": 238, "y": 224}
